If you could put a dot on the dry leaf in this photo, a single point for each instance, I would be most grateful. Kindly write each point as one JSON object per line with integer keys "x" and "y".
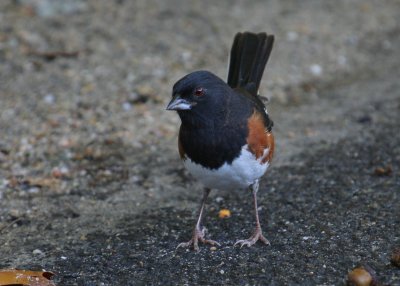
{"x": 16, "y": 277}
{"x": 43, "y": 182}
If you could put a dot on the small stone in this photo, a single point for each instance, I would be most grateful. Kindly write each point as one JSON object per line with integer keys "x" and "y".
{"x": 64, "y": 142}
{"x": 37, "y": 252}
{"x": 126, "y": 106}
{"x": 222, "y": 271}
{"x": 59, "y": 172}
{"x": 56, "y": 173}
{"x": 33, "y": 190}
{"x": 292, "y": 36}
{"x": 213, "y": 248}
{"x": 49, "y": 99}
{"x": 107, "y": 173}
{"x": 186, "y": 56}
{"x": 316, "y": 69}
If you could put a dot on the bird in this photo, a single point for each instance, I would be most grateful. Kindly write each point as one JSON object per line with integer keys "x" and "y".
{"x": 225, "y": 138}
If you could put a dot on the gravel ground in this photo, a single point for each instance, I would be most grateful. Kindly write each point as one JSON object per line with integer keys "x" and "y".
{"x": 91, "y": 185}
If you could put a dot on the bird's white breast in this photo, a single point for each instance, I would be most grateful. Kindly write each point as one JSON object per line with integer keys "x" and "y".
{"x": 241, "y": 173}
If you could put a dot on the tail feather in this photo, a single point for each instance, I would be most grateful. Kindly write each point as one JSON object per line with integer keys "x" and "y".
{"x": 249, "y": 55}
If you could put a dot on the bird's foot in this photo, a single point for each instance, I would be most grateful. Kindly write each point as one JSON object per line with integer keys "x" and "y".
{"x": 198, "y": 235}
{"x": 257, "y": 235}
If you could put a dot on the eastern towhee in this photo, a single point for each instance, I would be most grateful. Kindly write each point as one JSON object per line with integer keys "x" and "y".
{"x": 225, "y": 138}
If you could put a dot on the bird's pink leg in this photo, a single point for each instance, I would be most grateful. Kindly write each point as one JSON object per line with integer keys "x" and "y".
{"x": 257, "y": 234}
{"x": 199, "y": 232}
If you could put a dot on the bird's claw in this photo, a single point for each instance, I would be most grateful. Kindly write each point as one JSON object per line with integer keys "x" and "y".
{"x": 253, "y": 239}
{"x": 198, "y": 235}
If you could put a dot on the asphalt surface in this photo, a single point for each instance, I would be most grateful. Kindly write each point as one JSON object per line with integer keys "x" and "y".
{"x": 91, "y": 186}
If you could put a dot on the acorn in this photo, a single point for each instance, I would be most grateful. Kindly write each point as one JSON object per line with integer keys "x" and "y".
{"x": 383, "y": 171}
{"x": 395, "y": 258}
{"x": 362, "y": 276}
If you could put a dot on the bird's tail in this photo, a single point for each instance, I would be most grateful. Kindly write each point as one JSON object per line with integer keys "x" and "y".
{"x": 249, "y": 56}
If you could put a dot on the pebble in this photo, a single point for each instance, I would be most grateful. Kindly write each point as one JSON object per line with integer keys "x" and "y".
{"x": 107, "y": 173}
{"x": 316, "y": 69}
{"x": 33, "y": 190}
{"x": 65, "y": 142}
{"x": 49, "y": 99}
{"x": 59, "y": 172}
{"x": 126, "y": 106}
{"x": 186, "y": 56}
{"x": 37, "y": 252}
{"x": 292, "y": 36}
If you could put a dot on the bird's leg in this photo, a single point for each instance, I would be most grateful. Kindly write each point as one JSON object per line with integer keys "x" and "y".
{"x": 199, "y": 232}
{"x": 257, "y": 234}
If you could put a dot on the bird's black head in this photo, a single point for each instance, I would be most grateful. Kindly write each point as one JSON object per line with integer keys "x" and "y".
{"x": 200, "y": 98}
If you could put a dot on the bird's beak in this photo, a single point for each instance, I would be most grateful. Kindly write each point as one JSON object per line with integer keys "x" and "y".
{"x": 178, "y": 103}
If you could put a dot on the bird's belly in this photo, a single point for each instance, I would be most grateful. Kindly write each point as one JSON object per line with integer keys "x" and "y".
{"x": 241, "y": 173}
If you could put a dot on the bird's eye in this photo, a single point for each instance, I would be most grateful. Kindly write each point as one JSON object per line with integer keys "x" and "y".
{"x": 199, "y": 91}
